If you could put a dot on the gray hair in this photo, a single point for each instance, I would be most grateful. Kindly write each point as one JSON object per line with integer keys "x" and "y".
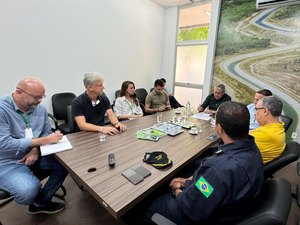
{"x": 222, "y": 87}
{"x": 91, "y": 77}
{"x": 273, "y": 104}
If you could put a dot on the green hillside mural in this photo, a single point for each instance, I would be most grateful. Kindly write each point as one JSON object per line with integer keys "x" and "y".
{"x": 259, "y": 49}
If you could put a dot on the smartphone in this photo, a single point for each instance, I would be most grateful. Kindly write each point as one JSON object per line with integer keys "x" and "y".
{"x": 132, "y": 176}
{"x": 213, "y": 137}
{"x": 141, "y": 171}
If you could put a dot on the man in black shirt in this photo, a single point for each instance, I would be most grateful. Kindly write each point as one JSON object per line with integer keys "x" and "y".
{"x": 212, "y": 101}
{"x": 89, "y": 108}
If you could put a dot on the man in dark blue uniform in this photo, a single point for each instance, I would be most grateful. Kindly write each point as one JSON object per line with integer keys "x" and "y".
{"x": 232, "y": 174}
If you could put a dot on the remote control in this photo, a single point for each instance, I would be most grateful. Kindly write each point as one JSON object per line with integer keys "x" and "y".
{"x": 111, "y": 160}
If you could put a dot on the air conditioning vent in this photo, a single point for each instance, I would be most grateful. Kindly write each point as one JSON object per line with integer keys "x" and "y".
{"x": 262, "y": 4}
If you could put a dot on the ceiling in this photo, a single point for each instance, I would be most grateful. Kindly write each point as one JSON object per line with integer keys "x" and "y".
{"x": 171, "y": 3}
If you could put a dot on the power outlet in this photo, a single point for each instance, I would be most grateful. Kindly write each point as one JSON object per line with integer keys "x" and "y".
{"x": 294, "y": 135}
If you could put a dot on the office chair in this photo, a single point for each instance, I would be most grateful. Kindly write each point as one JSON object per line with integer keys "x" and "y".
{"x": 271, "y": 207}
{"x": 287, "y": 122}
{"x": 71, "y": 121}
{"x": 4, "y": 197}
{"x": 141, "y": 94}
{"x": 290, "y": 154}
{"x": 117, "y": 93}
{"x": 60, "y": 102}
{"x": 41, "y": 175}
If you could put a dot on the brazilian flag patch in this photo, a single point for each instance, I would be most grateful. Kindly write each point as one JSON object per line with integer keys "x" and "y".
{"x": 204, "y": 187}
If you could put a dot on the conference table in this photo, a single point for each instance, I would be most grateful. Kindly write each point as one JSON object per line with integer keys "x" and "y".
{"x": 87, "y": 162}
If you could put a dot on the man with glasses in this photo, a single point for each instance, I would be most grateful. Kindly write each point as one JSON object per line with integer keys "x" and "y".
{"x": 24, "y": 127}
{"x": 270, "y": 136}
{"x": 157, "y": 100}
{"x": 251, "y": 107}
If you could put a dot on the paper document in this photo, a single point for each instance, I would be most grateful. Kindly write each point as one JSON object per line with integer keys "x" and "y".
{"x": 60, "y": 146}
{"x": 202, "y": 116}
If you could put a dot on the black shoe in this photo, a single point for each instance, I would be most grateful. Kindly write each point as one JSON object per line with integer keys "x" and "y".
{"x": 50, "y": 208}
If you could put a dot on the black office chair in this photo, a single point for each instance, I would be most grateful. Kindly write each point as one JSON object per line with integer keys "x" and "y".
{"x": 4, "y": 197}
{"x": 271, "y": 207}
{"x": 117, "y": 93}
{"x": 141, "y": 94}
{"x": 71, "y": 121}
{"x": 290, "y": 154}
{"x": 41, "y": 175}
{"x": 287, "y": 122}
{"x": 60, "y": 102}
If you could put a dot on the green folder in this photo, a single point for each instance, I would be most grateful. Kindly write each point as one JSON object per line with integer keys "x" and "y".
{"x": 150, "y": 134}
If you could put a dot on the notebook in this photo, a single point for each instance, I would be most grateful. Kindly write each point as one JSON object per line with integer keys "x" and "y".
{"x": 60, "y": 146}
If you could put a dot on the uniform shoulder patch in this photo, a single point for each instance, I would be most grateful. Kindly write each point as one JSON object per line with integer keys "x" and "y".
{"x": 205, "y": 188}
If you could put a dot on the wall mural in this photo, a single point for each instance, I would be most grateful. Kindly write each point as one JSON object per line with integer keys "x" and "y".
{"x": 260, "y": 49}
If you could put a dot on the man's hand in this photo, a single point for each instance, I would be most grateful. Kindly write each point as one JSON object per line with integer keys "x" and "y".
{"x": 31, "y": 157}
{"x": 177, "y": 183}
{"x": 200, "y": 108}
{"x": 109, "y": 130}
{"x": 120, "y": 127}
{"x": 54, "y": 137}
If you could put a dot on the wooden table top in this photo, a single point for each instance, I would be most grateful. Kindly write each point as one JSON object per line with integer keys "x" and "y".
{"x": 88, "y": 161}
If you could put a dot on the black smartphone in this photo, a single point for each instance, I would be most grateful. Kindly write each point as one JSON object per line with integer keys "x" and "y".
{"x": 132, "y": 176}
{"x": 141, "y": 171}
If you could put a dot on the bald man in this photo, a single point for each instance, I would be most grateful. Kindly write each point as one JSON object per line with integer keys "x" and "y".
{"x": 24, "y": 127}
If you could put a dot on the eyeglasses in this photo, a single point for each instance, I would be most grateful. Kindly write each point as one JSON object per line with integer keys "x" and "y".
{"x": 34, "y": 97}
{"x": 259, "y": 108}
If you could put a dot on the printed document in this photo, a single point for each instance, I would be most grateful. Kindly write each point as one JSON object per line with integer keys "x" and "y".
{"x": 202, "y": 116}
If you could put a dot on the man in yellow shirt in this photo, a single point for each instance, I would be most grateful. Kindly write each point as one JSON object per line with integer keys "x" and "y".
{"x": 270, "y": 136}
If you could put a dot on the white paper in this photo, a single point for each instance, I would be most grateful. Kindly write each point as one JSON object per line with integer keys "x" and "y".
{"x": 202, "y": 116}
{"x": 60, "y": 146}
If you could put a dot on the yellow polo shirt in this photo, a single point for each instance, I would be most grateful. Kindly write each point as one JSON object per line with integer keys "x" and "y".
{"x": 270, "y": 140}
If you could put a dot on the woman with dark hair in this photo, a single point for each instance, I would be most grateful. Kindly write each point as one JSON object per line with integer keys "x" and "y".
{"x": 127, "y": 105}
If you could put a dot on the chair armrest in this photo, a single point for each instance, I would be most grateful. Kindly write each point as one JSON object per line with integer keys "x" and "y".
{"x": 161, "y": 220}
{"x": 54, "y": 120}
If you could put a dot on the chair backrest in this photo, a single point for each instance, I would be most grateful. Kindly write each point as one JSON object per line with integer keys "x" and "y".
{"x": 272, "y": 206}
{"x": 71, "y": 121}
{"x": 141, "y": 94}
{"x": 287, "y": 121}
{"x": 290, "y": 154}
{"x": 60, "y": 102}
{"x": 117, "y": 93}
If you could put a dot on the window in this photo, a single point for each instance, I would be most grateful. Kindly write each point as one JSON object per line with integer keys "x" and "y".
{"x": 196, "y": 35}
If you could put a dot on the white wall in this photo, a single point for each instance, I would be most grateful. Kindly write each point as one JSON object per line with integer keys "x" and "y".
{"x": 169, "y": 46}
{"x": 58, "y": 40}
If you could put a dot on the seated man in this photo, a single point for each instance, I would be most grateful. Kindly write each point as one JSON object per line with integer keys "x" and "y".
{"x": 24, "y": 127}
{"x": 173, "y": 101}
{"x": 89, "y": 108}
{"x": 212, "y": 101}
{"x": 251, "y": 107}
{"x": 231, "y": 175}
{"x": 270, "y": 136}
{"x": 157, "y": 100}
